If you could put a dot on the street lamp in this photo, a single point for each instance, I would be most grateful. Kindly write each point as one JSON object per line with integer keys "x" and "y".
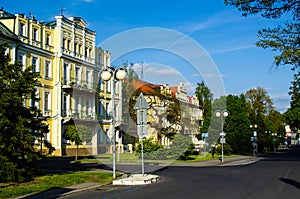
{"x": 254, "y": 144}
{"x": 274, "y": 135}
{"x": 222, "y": 114}
{"x": 113, "y": 74}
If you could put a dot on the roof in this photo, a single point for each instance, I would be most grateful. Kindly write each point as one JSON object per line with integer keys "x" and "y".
{"x": 7, "y": 33}
{"x": 6, "y": 15}
{"x": 144, "y": 87}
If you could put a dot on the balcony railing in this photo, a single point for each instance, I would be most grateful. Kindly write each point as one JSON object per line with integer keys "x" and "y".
{"x": 75, "y": 114}
{"x": 75, "y": 83}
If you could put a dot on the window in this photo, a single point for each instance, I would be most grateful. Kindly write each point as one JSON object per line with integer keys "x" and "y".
{"x": 34, "y": 101}
{"x": 68, "y": 44}
{"x": 48, "y": 69}
{"x": 47, "y": 101}
{"x": 48, "y": 39}
{"x": 88, "y": 77}
{"x": 67, "y": 68}
{"x": 90, "y": 52}
{"x": 22, "y": 29}
{"x": 78, "y": 75}
{"x": 22, "y": 59}
{"x": 80, "y": 49}
{"x": 88, "y": 108}
{"x": 64, "y": 43}
{"x": 78, "y": 105}
{"x": 35, "y": 34}
{"x": 35, "y": 64}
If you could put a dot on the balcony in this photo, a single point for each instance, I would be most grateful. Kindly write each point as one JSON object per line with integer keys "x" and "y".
{"x": 73, "y": 83}
{"x": 76, "y": 114}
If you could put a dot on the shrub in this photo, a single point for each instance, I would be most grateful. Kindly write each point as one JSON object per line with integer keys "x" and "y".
{"x": 226, "y": 149}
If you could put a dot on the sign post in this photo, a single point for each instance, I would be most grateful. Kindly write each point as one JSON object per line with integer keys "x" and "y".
{"x": 204, "y": 135}
{"x": 141, "y": 106}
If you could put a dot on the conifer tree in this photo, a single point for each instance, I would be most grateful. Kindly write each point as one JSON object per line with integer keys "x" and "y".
{"x": 18, "y": 124}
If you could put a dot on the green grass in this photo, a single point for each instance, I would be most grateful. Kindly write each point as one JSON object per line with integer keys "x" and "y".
{"x": 47, "y": 182}
{"x": 132, "y": 158}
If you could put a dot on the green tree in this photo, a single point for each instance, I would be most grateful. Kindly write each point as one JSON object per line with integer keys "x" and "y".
{"x": 274, "y": 123}
{"x": 18, "y": 123}
{"x": 150, "y": 148}
{"x": 181, "y": 147}
{"x": 292, "y": 115}
{"x": 237, "y": 125}
{"x": 78, "y": 134}
{"x": 259, "y": 106}
{"x": 205, "y": 98}
{"x": 284, "y": 38}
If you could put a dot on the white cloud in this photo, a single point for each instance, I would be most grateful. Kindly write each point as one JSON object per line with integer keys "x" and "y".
{"x": 213, "y": 75}
{"x": 235, "y": 48}
{"x": 215, "y": 20}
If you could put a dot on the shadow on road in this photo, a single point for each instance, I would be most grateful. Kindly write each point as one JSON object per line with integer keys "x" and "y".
{"x": 67, "y": 164}
{"x": 290, "y": 182}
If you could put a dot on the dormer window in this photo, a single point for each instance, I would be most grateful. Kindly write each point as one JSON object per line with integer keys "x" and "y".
{"x": 35, "y": 34}
{"x": 22, "y": 29}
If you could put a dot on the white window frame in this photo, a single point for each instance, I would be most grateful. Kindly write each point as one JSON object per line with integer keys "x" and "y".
{"x": 22, "y": 60}
{"x": 49, "y": 64}
{"x": 35, "y": 34}
{"x": 88, "y": 77}
{"x": 88, "y": 107}
{"x": 78, "y": 76}
{"x": 47, "y": 104}
{"x": 22, "y": 29}
{"x": 37, "y": 64}
{"x": 68, "y": 70}
{"x": 48, "y": 39}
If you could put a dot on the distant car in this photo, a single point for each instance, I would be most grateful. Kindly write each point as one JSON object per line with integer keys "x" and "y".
{"x": 198, "y": 148}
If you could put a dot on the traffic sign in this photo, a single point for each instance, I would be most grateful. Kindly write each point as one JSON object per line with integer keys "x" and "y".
{"x": 141, "y": 103}
{"x": 204, "y": 135}
{"x": 141, "y": 106}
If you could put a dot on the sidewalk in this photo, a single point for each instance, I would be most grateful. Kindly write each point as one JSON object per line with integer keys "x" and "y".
{"x": 231, "y": 161}
{"x": 135, "y": 179}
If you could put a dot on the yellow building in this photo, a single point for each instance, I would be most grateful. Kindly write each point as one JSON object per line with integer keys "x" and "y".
{"x": 63, "y": 52}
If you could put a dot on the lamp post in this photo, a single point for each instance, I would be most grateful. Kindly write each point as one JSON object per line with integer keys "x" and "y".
{"x": 222, "y": 115}
{"x": 254, "y": 145}
{"x": 274, "y": 135}
{"x": 113, "y": 74}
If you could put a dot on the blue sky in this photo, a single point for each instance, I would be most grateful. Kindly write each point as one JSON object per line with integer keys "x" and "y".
{"x": 227, "y": 37}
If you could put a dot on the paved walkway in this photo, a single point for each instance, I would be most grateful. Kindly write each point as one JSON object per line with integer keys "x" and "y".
{"x": 59, "y": 192}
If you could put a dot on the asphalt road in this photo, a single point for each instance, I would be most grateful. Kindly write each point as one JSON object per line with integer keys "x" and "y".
{"x": 275, "y": 176}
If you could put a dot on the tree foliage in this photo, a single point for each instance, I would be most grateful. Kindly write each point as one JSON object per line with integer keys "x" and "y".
{"x": 259, "y": 102}
{"x": 205, "y": 98}
{"x": 285, "y": 38}
{"x": 180, "y": 148}
{"x": 78, "y": 134}
{"x": 237, "y": 125}
{"x": 292, "y": 115}
{"x": 18, "y": 124}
